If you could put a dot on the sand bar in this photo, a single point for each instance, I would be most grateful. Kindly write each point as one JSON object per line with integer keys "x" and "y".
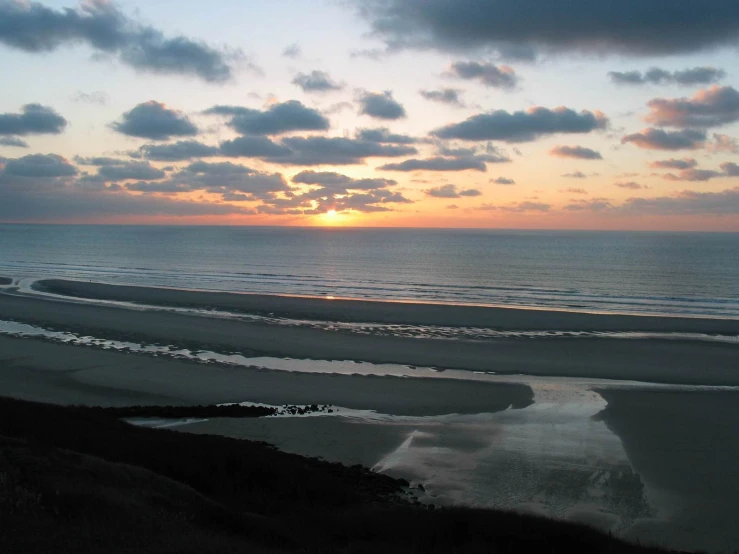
{"x": 389, "y": 312}
{"x": 663, "y": 361}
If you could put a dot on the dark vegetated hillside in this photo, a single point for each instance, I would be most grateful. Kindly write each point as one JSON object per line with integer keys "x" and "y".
{"x": 73, "y": 480}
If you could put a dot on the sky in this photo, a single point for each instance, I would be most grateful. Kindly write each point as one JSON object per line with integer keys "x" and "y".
{"x": 619, "y": 114}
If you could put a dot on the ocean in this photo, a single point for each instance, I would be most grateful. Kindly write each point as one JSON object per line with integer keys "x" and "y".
{"x": 623, "y": 272}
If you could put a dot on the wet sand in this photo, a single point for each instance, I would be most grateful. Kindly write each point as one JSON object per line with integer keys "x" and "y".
{"x": 663, "y": 361}
{"x": 326, "y": 309}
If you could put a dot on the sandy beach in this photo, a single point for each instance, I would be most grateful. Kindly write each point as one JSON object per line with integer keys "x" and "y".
{"x": 633, "y": 436}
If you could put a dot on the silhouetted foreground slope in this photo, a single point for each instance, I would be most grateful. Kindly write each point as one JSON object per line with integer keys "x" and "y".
{"x": 73, "y": 480}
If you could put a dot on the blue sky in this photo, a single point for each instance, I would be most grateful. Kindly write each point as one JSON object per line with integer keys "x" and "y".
{"x": 577, "y": 169}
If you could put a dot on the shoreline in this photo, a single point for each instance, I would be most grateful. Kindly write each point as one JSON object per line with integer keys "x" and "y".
{"x": 390, "y": 312}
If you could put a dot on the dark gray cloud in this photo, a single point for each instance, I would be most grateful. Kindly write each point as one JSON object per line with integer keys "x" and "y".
{"x": 575, "y": 175}
{"x": 313, "y": 150}
{"x": 581, "y": 26}
{"x": 450, "y": 191}
{"x": 444, "y": 96}
{"x": 631, "y": 185}
{"x": 694, "y": 175}
{"x": 177, "y": 151}
{"x": 224, "y": 178}
{"x": 730, "y": 169}
{"x": 592, "y": 205}
{"x": 711, "y": 107}
{"x": 491, "y": 75}
{"x": 112, "y": 169}
{"x": 14, "y": 142}
{"x": 338, "y": 183}
{"x": 316, "y": 81}
{"x": 577, "y": 152}
{"x": 656, "y": 76}
{"x": 672, "y": 163}
{"x": 384, "y": 136}
{"x": 381, "y": 105}
{"x": 35, "y": 28}
{"x": 275, "y": 120}
{"x": 293, "y": 51}
{"x": 687, "y": 202}
{"x": 523, "y": 126}
{"x": 153, "y": 120}
{"x": 520, "y": 207}
{"x": 503, "y": 181}
{"x": 460, "y": 163}
{"x": 34, "y": 119}
{"x": 38, "y": 165}
{"x": 659, "y": 139}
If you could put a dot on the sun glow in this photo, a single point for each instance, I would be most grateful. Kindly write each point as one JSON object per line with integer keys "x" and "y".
{"x": 331, "y": 213}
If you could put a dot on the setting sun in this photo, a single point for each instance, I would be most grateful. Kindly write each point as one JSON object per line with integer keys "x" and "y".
{"x": 331, "y": 213}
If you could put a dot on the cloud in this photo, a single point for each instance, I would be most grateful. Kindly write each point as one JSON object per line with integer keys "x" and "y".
{"x": 315, "y": 81}
{"x": 711, "y": 107}
{"x": 177, "y": 151}
{"x": 575, "y": 175}
{"x": 292, "y": 51}
{"x": 694, "y": 175}
{"x": 339, "y": 183}
{"x": 34, "y": 119}
{"x": 38, "y": 165}
{"x": 313, "y": 150}
{"x": 730, "y": 169}
{"x": 592, "y": 205}
{"x": 155, "y": 121}
{"x": 503, "y": 181}
{"x": 526, "y": 206}
{"x": 111, "y": 169}
{"x": 450, "y": 191}
{"x": 13, "y": 141}
{"x": 449, "y": 96}
{"x": 659, "y": 139}
{"x": 631, "y": 185}
{"x": 491, "y": 75}
{"x": 458, "y": 163}
{"x": 578, "y": 152}
{"x": 98, "y": 97}
{"x": 687, "y": 202}
{"x": 723, "y": 143}
{"x": 657, "y": 76}
{"x": 35, "y": 28}
{"x": 224, "y": 178}
{"x": 381, "y": 105}
{"x": 672, "y": 163}
{"x": 523, "y": 126}
{"x": 573, "y": 190}
{"x": 579, "y": 26}
{"x": 384, "y": 136}
{"x": 275, "y": 120}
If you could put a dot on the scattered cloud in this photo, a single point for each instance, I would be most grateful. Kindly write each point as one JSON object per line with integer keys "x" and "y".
{"x": 177, "y": 151}
{"x": 113, "y": 169}
{"x": 659, "y": 139}
{"x": 573, "y": 190}
{"x": 694, "y": 175}
{"x": 591, "y": 205}
{"x": 503, "y": 181}
{"x": 631, "y": 185}
{"x": 672, "y": 163}
{"x": 491, "y": 75}
{"x": 275, "y": 120}
{"x": 34, "y": 119}
{"x": 577, "y": 152}
{"x": 523, "y": 126}
{"x": 316, "y": 81}
{"x": 723, "y": 143}
{"x": 575, "y": 175}
{"x": 13, "y": 142}
{"x": 730, "y": 169}
{"x": 711, "y": 107}
{"x": 340, "y": 183}
{"x": 38, "y": 165}
{"x": 450, "y": 191}
{"x": 97, "y": 97}
{"x": 153, "y": 120}
{"x": 381, "y": 105}
{"x": 384, "y": 136}
{"x": 687, "y": 202}
{"x": 657, "y": 76}
{"x": 293, "y": 51}
{"x": 449, "y": 96}
{"x": 579, "y": 26}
